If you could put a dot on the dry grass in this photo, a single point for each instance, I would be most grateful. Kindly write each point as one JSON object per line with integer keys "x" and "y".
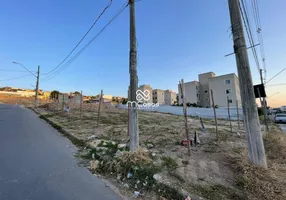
{"x": 260, "y": 183}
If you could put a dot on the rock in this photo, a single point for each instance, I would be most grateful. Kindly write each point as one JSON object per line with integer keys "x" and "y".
{"x": 126, "y": 185}
{"x": 91, "y": 137}
{"x": 158, "y": 177}
{"x": 94, "y": 164}
{"x": 119, "y": 177}
{"x": 94, "y": 143}
{"x": 153, "y": 154}
{"x": 121, "y": 146}
{"x": 149, "y": 145}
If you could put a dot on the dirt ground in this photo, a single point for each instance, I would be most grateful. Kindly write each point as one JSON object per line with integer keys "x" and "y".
{"x": 161, "y": 134}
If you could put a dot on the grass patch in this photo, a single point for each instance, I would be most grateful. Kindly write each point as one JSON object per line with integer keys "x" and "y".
{"x": 169, "y": 163}
{"x": 258, "y": 182}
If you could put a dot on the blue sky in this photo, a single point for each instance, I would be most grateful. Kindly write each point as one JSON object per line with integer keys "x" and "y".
{"x": 177, "y": 39}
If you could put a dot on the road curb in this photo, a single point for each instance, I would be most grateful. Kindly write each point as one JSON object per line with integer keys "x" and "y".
{"x": 75, "y": 140}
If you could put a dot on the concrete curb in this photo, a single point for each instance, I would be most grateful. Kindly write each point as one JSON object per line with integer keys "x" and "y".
{"x": 75, "y": 140}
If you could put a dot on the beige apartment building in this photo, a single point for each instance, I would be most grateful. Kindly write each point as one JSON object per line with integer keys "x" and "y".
{"x": 158, "y": 96}
{"x": 148, "y": 96}
{"x": 224, "y": 86}
{"x": 170, "y": 97}
{"x": 192, "y": 92}
{"x": 205, "y": 100}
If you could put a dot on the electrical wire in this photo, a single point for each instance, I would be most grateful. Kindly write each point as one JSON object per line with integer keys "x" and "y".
{"x": 275, "y": 75}
{"x": 16, "y": 78}
{"x": 81, "y": 39}
{"x": 89, "y": 43}
{"x": 10, "y": 70}
{"x": 247, "y": 25}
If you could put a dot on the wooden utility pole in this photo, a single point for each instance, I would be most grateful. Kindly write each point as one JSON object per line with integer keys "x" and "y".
{"x": 237, "y": 111}
{"x": 81, "y": 99}
{"x": 229, "y": 119}
{"x": 183, "y": 97}
{"x": 213, "y": 104}
{"x": 37, "y": 88}
{"x": 256, "y": 152}
{"x": 133, "y": 124}
{"x": 63, "y": 102}
{"x": 98, "y": 113}
{"x": 263, "y": 103}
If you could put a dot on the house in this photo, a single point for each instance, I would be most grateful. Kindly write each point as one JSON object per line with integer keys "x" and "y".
{"x": 170, "y": 97}
{"x": 192, "y": 92}
{"x": 158, "y": 96}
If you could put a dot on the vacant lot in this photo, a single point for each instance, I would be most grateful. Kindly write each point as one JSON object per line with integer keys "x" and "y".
{"x": 215, "y": 169}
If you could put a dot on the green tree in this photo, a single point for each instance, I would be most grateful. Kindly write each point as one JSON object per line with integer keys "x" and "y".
{"x": 77, "y": 93}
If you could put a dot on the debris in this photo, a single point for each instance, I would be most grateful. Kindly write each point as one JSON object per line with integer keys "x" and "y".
{"x": 153, "y": 154}
{"x": 118, "y": 152}
{"x": 202, "y": 124}
{"x": 94, "y": 164}
{"x": 119, "y": 177}
{"x": 149, "y": 145}
{"x": 137, "y": 194}
{"x": 188, "y": 198}
{"x": 129, "y": 175}
{"x": 162, "y": 198}
{"x": 184, "y": 142}
{"x": 121, "y": 146}
{"x": 126, "y": 185}
{"x": 238, "y": 133}
{"x": 93, "y": 156}
{"x": 157, "y": 177}
{"x": 185, "y": 162}
{"x": 196, "y": 139}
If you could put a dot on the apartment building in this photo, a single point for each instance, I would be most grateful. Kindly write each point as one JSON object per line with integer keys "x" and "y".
{"x": 149, "y": 96}
{"x": 225, "y": 86}
{"x": 205, "y": 100}
{"x": 192, "y": 92}
{"x": 170, "y": 97}
{"x": 158, "y": 96}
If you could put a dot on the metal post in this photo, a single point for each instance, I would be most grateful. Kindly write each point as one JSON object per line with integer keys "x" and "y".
{"x": 37, "y": 88}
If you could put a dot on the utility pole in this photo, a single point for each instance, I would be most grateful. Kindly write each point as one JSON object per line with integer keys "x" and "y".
{"x": 264, "y": 104}
{"x": 37, "y": 88}
{"x": 256, "y": 152}
{"x": 98, "y": 112}
{"x": 133, "y": 125}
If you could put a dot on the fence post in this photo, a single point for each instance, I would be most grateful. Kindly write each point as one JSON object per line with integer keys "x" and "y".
{"x": 98, "y": 114}
{"x": 213, "y": 105}
{"x": 238, "y": 120}
{"x": 229, "y": 114}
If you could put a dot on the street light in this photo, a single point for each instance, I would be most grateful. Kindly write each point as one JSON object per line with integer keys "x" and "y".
{"x": 25, "y": 68}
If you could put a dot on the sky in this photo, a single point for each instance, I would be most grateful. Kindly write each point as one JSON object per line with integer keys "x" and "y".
{"x": 176, "y": 39}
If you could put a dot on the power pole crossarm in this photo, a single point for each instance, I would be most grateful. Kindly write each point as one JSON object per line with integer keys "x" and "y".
{"x": 256, "y": 152}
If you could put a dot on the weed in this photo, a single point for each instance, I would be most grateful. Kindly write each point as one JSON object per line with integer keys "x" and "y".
{"x": 169, "y": 163}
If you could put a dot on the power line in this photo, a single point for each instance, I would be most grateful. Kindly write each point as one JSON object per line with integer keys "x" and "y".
{"x": 276, "y": 75}
{"x": 81, "y": 38}
{"x": 16, "y": 78}
{"x": 90, "y": 42}
{"x": 10, "y": 70}
{"x": 276, "y": 85}
{"x": 247, "y": 25}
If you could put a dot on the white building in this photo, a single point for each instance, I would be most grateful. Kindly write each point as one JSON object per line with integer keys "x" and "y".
{"x": 224, "y": 86}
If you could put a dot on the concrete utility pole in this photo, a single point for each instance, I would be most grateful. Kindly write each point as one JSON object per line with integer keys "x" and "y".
{"x": 256, "y": 152}
{"x": 37, "y": 88}
{"x": 264, "y": 104}
{"x": 133, "y": 125}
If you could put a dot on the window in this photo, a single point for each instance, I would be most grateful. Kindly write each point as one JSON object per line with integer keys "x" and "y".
{"x": 197, "y": 95}
{"x": 206, "y": 91}
{"x": 228, "y": 91}
{"x": 155, "y": 92}
{"x": 227, "y": 81}
{"x": 229, "y": 100}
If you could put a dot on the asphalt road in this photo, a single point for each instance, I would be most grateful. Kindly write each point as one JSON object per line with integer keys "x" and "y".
{"x": 37, "y": 163}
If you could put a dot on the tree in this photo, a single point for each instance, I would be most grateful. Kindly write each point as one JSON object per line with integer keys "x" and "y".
{"x": 54, "y": 94}
{"x": 77, "y": 93}
{"x": 124, "y": 101}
